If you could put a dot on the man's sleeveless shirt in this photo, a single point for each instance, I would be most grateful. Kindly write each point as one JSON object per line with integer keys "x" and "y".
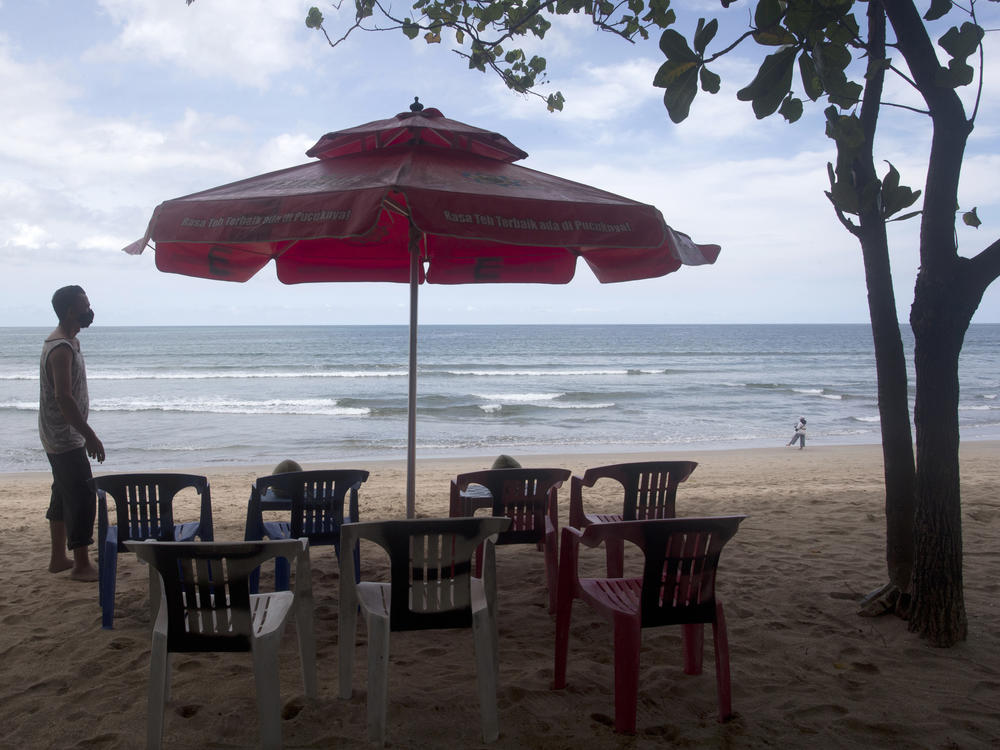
{"x": 58, "y": 436}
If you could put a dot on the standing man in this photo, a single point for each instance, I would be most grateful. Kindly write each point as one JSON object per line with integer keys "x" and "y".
{"x": 63, "y": 408}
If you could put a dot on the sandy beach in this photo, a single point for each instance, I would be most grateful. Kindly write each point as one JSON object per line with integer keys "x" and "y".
{"x": 806, "y": 670}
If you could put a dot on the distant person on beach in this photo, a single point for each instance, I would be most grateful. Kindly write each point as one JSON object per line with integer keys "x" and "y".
{"x": 800, "y": 433}
{"x": 63, "y": 408}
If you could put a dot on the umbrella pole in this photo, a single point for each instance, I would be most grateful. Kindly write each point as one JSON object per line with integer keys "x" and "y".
{"x": 411, "y": 410}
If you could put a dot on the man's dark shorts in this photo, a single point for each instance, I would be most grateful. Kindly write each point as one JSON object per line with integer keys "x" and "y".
{"x": 73, "y": 501}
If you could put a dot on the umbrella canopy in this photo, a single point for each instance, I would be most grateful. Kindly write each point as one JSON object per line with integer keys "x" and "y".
{"x": 415, "y": 198}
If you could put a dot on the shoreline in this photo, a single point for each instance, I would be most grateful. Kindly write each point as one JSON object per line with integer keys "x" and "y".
{"x": 547, "y": 458}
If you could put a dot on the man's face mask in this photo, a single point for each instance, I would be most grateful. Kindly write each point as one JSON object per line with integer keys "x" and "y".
{"x": 86, "y": 318}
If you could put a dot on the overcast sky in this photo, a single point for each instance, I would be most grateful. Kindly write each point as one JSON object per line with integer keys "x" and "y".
{"x": 111, "y": 106}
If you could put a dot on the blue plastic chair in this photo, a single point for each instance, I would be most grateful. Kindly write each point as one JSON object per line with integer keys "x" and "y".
{"x": 144, "y": 509}
{"x": 315, "y": 501}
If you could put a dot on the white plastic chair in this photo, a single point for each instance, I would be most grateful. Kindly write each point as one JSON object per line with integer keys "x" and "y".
{"x": 205, "y": 605}
{"x": 431, "y": 586}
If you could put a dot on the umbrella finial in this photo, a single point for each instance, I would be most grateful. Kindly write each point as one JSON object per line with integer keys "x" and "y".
{"x": 416, "y": 106}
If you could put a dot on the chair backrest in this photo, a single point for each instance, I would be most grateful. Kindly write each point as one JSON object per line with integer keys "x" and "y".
{"x": 650, "y": 487}
{"x": 144, "y": 503}
{"x": 205, "y": 588}
{"x": 681, "y": 559}
{"x": 317, "y": 500}
{"x": 525, "y": 496}
{"x": 430, "y": 566}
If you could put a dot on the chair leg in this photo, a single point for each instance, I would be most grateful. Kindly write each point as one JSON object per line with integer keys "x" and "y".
{"x": 254, "y": 581}
{"x": 486, "y": 674}
{"x": 552, "y": 570}
{"x": 307, "y": 650}
{"x": 628, "y": 637}
{"x": 694, "y": 647}
{"x": 267, "y": 681}
{"x": 722, "y": 681}
{"x": 159, "y": 687}
{"x": 564, "y": 612}
{"x": 282, "y": 574}
{"x": 346, "y": 636}
{"x": 107, "y": 575}
{"x": 155, "y": 593}
{"x": 378, "y": 678}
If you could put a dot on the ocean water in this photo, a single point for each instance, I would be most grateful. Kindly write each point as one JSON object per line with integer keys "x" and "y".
{"x": 174, "y": 397}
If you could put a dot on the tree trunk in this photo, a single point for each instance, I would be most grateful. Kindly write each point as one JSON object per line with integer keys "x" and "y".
{"x": 894, "y": 413}
{"x": 940, "y": 316}
{"x": 890, "y": 359}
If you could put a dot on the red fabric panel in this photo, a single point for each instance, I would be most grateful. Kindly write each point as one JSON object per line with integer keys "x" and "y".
{"x": 407, "y": 129}
{"x": 460, "y": 261}
{"x": 305, "y": 201}
{"x": 210, "y": 261}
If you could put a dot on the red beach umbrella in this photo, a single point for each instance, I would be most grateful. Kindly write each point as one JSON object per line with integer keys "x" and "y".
{"x": 415, "y": 198}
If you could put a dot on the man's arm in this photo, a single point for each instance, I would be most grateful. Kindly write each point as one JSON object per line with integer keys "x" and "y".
{"x": 60, "y": 368}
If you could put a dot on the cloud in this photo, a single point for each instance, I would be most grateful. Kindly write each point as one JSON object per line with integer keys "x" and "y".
{"x": 247, "y": 41}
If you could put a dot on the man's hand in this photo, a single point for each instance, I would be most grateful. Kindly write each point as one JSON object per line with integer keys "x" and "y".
{"x": 95, "y": 448}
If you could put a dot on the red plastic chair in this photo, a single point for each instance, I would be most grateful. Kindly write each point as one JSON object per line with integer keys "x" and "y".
{"x": 677, "y": 587}
{"x": 529, "y": 497}
{"x": 649, "y": 491}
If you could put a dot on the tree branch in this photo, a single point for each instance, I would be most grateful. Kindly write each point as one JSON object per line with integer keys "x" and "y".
{"x": 986, "y": 266}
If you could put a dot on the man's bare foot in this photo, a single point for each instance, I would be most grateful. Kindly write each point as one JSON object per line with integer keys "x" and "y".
{"x": 88, "y": 573}
{"x": 58, "y": 566}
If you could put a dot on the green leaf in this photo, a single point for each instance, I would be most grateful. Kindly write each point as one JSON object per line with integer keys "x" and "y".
{"x": 960, "y": 73}
{"x": 971, "y": 219}
{"x": 896, "y": 197}
{"x": 410, "y": 29}
{"x": 938, "y": 8}
{"x": 791, "y": 108}
{"x": 710, "y": 82}
{"x": 675, "y": 47}
{"x": 671, "y": 71}
{"x": 771, "y": 84}
{"x": 961, "y": 43}
{"x": 460, "y": 36}
{"x": 774, "y": 37}
{"x": 432, "y": 37}
{"x": 555, "y": 102}
{"x": 315, "y": 18}
{"x": 811, "y": 83}
{"x": 659, "y": 14}
{"x": 768, "y": 14}
{"x": 904, "y": 217}
{"x": 831, "y": 57}
{"x": 704, "y": 34}
{"x": 680, "y": 94}
{"x": 846, "y": 130}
